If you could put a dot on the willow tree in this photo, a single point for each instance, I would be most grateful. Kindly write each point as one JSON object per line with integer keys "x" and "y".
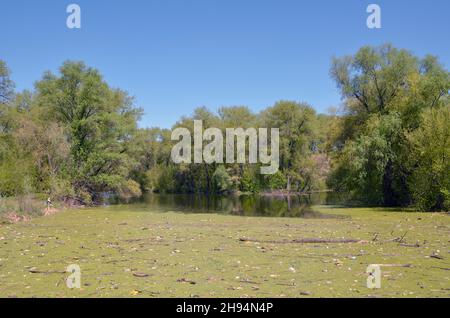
{"x": 430, "y": 179}
{"x": 296, "y": 122}
{"x": 100, "y": 122}
{"x": 385, "y": 91}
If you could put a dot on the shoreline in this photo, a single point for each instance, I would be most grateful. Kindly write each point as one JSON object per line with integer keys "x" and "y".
{"x": 12, "y": 214}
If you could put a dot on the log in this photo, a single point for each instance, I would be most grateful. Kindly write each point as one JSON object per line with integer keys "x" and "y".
{"x": 35, "y": 271}
{"x": 443, "y": 268}
{"x": 138, "y": 274}
{"x": 393, "y": 265}
{"x": 303, "y": 241}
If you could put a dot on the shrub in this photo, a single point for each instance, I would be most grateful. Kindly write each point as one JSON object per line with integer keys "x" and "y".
{"x": 222, "y": 180}
{"x": 130, "y": 189}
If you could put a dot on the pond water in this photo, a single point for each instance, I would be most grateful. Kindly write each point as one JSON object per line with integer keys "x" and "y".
{"x": 244, "y": 205}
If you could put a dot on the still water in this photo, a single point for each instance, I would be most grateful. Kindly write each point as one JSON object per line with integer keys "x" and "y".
{"x": 244, "y": 205}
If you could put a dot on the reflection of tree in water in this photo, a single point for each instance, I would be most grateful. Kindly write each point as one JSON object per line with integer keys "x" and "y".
{"x": 278, "y": 206}
{"x": 244, "y": 205}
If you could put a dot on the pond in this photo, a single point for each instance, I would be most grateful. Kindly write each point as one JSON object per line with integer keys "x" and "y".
{"x": 244, "y": 205}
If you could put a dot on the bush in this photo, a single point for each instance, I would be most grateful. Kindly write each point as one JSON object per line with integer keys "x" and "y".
{"x": 221, "y": 179}
{"x": 12, "y": 177}
{"x": 130, "y": 189}
{"x": 84, "y": 196}
{"x": 167, "y": 179}
{"x": 276, "y": 181}
{"x": 446, "y": 194}
{"x": 249, "y": 181}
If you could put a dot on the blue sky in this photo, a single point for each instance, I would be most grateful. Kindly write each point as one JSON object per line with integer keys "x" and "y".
{"x": 175, "y": 55}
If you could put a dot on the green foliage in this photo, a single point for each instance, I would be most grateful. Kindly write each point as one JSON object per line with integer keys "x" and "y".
{"x": 72, "y": 137}
{"x": 100, "y": 123}
{"x": 298, "y": 135}
{"x": 373, "y": 77}
{"x": 221, "y": 180}
{"x": 6, "y": 84}
{"x": 166, "y": 180}
{"x": 385, "y": 92}
{"x": 250, "y": 180}
{"x": 129, "y": 189}
{"x": 276, "y": 181}
{"x": 365, "y": 159}
{"x": 430, "y": 178}
{"x": 446, "y": 195}
{"x": 12, "y": 177}
{"x": 75, "y": 136}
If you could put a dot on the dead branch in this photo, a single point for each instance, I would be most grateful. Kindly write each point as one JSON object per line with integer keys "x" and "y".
{"x": 410, "y": 245}
{"x": 303, "y": 241}
{"x": 35, "y": 271}
{"x": 443, "y": 268}
{"x": 394, "y": 265}
{"x": 401, "y": 239}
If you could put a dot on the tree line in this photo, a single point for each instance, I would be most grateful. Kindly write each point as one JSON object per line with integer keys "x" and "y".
{"x": 75, "y": 137}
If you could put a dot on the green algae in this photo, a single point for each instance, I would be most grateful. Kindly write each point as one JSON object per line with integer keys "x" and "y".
{"x": 125, "y": 253}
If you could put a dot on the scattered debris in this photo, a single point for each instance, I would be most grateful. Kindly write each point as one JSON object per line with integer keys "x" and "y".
{"x": 139, "y": 274}
{"x": 184, "y": 280}
{"x": 248, "y": 281}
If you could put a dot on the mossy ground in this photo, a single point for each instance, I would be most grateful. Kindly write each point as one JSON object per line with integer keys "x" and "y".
{"x": 200, "y": 255}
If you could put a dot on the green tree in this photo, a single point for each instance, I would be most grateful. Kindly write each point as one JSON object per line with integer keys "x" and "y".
{"x": 6, "y": 84}
{"x": 430, "y": 178}
{"x": 385, "y": 91}
{"x": 296, "y": 123}
{"x": 100, "y": 121}
{"x": 6, "y": 96}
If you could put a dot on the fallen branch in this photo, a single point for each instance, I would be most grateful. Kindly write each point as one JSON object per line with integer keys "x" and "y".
{"x": 410, "y": 245}
{"x": 393, "y": 265}
{"x": 443, "y": 268}
{"x": 184, "y": 280}
{"x": 138, "y": 274}
{"x": 35, "y": 271}
{"x": 249, "y": 282}
{"x": 303, "y": 241}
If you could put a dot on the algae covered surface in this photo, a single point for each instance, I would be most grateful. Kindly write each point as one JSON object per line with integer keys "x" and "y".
{"x": 127, "y": 253}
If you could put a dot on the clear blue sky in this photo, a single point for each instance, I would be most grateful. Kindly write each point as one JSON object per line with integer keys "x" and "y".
{"x": 175, "y": 55}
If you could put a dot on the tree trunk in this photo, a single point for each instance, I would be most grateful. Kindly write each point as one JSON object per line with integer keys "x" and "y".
{"x": 388, "y": 191}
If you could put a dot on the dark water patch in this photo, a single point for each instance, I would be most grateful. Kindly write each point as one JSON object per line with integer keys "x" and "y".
{"x": 244, "y": 205}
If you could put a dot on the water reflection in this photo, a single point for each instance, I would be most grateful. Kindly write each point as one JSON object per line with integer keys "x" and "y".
{"x": 244, "y": 205}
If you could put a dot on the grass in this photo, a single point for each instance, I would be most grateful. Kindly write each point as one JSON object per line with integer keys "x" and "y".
{"x": 200, "y": 255}
{"x": 22, "y": 207}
